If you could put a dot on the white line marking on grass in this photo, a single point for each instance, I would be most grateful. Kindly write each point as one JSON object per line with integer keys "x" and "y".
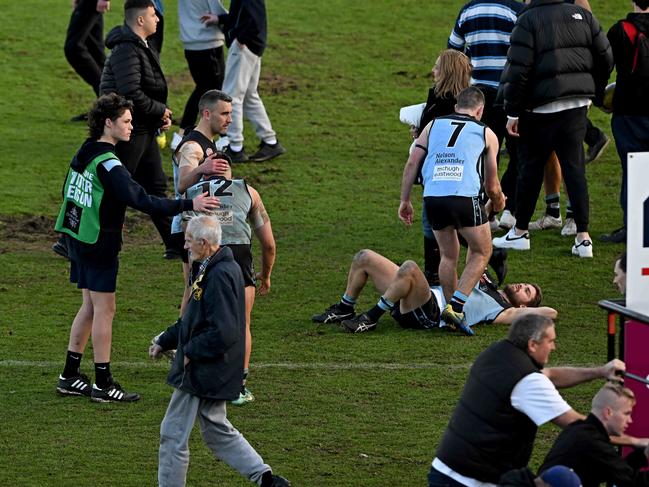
{"x": 262, "y": 365}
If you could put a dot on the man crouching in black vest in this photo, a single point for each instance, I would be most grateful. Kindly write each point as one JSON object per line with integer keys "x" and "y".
{"x": 507, "y": 395}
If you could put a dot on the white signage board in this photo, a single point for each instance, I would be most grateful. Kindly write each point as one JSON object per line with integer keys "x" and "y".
{"x": 637, "y": 266}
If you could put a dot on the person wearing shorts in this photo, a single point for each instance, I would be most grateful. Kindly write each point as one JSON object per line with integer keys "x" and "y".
{"x": 406, "y": 294}
{"x": 97, "y": 190}
{"x": 458, "y": 154}
{"x": 198, "y": 167}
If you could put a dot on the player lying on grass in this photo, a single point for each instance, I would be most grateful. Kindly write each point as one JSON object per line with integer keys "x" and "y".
{"x": 413, "y": 304}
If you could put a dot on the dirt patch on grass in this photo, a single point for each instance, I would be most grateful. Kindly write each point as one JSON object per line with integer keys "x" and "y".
{"x": 37, "y": 231}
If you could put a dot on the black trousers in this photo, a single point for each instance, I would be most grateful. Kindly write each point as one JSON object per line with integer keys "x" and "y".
{"x": 141, "y": 156}
{"x": 84, "y": 43}
{"x": 207, "y": 68}
{"x": 496, "y": 119}
{"x": 540, "y": 134}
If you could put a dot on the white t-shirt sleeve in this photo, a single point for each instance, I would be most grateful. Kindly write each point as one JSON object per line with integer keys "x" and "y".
{"x": 536, "y": 397}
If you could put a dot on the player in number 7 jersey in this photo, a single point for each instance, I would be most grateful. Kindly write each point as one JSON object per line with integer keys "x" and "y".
{"x": 456, "y": 155}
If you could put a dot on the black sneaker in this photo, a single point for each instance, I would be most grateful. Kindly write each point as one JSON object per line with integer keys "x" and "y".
{"x": 112, "y": 393}
{"x": 594, "y": 151}
{"x": 235, "y": 156}
{"x": 359, "y": 324}
{"x": 79, "y": 385}
{"x": 616, "y": 236}
{"x": 270, "y": 480}
{"x": 171, "y": 254}
{"x": 334, "y": 314}
{"x": 267, "y": 151}
{"x": 59, "y": 248}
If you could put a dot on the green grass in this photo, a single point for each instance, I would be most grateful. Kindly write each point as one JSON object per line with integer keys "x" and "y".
{"x": 332, "y": 409}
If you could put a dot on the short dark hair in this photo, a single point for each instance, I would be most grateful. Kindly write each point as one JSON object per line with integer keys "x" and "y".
{"x": 643, "y": 4}
{"x": 528, "y": 327}
{"x": 622, "y": 257}
{"x": 536, "y": 302}
{"x": 470, "y": 97}
{"x": 110, "y": 106}
{"x": 211, "y": 98}
{"x": 132, "y": 9}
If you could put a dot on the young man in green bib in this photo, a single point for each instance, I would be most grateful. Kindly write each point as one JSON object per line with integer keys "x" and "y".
{"x": 97, "y": 190}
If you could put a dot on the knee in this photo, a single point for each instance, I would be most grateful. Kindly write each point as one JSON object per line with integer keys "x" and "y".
{"x": 408, "y": 269}
{"x": 362, "y": 257}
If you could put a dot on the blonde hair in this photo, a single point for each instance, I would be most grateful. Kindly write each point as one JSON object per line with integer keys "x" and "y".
{"x": 609, "y": 394}
{"x": 454, "y": 73}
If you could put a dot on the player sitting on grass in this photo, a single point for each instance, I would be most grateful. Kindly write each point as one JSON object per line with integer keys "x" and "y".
{"x": 413, "y": 304}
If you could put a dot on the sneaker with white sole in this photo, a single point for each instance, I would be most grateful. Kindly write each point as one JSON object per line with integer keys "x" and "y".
{"x": 546, "y": 222}
{"x": 583, "y": 249}
{"x": 79, "y": 385}
{"x": 570, "y": 228}
{"x": 512, "y": 241}
{"x": 112, "y": 393}
{"x": 507, "y": 220}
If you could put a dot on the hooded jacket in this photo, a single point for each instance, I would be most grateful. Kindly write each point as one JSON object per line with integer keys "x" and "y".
{"x": 133, "y": 70}
{"x": 120, "y": 191}
{"x": 558, "y": 51}
{"x": 211, "y": 333}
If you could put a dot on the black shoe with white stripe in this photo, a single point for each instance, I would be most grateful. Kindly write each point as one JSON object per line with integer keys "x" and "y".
{"x": 359, "y": 324}
{"x": 79, "y": 385}
{"x": 112, "y": 393}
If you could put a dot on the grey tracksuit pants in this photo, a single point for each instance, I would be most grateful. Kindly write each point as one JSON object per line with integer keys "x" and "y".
{"x": 220, "y": 436}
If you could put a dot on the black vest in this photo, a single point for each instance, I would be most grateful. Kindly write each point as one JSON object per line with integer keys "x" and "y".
{"x": 486, "y": 436}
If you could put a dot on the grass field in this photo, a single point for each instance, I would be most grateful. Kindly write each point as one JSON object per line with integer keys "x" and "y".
{"x": 332, "y": 409}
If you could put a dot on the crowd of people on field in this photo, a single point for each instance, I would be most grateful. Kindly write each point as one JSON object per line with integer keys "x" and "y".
{"x": 521, "y": 72}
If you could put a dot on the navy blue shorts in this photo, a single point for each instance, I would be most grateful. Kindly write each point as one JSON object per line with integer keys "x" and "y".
{"x": 94, "y": 278}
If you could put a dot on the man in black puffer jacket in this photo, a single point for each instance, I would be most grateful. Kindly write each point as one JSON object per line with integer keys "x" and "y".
{"x": 133, "y": 71}
{"x": 558, "y": 61}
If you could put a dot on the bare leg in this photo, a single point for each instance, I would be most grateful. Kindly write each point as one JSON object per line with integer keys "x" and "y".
{"x": 449, "y": 248}
{"x": 552, "y": 175}
{"x": 369, "y": 264}
{"x": 102, "y": 324}
{"x": 409, "y": 287}
{"x": 82, "y": 324}
{"x": 477, "y": 257}
{"x": 250, "y": 301}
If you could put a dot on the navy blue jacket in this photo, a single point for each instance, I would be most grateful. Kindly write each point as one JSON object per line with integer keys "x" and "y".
{"x": 246, "y": 23}
{"x": 211, "y": 333}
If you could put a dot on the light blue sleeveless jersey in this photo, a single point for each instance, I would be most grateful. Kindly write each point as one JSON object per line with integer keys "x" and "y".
{"x": 454, "y": 164}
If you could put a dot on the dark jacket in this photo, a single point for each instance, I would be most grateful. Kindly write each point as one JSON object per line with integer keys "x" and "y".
{"x": 585, "y": 447}
{"x": 133, "y": 71}
{"x": 120, "y": 191}
{"x": 211, "y": 333}
{"x": 436, "y": 106}
{"x": 557, "y": 51}
{"x": 523, "y": 477}
{"x": 486, "y": 436}
{"x": 246, "y": 23}
{"x": 631, "y": 95}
